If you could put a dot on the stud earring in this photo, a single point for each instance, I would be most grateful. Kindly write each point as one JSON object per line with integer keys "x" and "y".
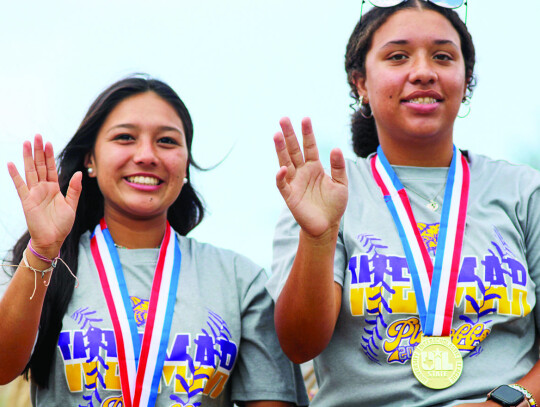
{"x": 90, "y": 170}
{"x": 185, "y": 181}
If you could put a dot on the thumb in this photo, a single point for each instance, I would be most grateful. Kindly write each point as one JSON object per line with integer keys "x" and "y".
{"x": 337, "y": 166}
{"x": 74, "y": 190}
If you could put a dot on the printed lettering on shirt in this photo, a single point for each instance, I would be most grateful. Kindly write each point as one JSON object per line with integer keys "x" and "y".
{"x": 380, "y": 285}
{"x": 195, "y": 365}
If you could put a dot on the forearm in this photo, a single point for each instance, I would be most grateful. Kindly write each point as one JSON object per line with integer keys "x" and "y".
{"x": 20, "y": 317}
{"x": 308, "y": 306}
{"x": 531, "y": 381}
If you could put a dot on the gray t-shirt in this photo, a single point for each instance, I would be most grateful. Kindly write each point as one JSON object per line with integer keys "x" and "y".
{"x": 495, "y": 323}
{"x": 222, "y": 345}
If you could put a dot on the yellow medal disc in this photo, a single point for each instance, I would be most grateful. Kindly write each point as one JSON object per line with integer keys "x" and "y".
{"x": 436, "y": 362}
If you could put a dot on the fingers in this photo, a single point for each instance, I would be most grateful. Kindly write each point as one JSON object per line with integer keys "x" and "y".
{"x": 283, "y": 155}
{"x": 293, "y": 148}
{"x": 74, "y": 190}
{"x": 29, "y": 166}
{"x": 21, "y": 187}
{"x": 52, "y": 174}
{"x": 39, "y": 158}
{"x": 337, "y": 166}
{"x": 39, "y": 166}
{"x": 282, "y": 184}
{"x": 311, "y": 153}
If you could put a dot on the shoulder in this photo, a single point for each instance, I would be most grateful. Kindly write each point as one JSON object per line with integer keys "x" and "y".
{"x": 479, "y": 162}
{"x": 359, "y": 163}
{"x": 359, "y": 171}
{"x": 208, "y": 256}
{"x": 491, "y": 171}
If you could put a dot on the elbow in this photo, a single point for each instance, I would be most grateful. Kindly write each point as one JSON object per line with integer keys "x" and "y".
{"x": 302, "y": 345}
{"x": 302, "y": 338}
{"x": 302, "y": 351}
{"x": 300, "y": 357}
{"x": 7, "y": 378}
{"x": 10, "y": 371}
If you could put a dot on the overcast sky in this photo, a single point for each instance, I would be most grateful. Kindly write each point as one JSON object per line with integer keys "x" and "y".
{"x": 239, "y": 66}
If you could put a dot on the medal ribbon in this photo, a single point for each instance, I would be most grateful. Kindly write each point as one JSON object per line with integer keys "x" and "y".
{"x": 434, "y": 283}
{"x": 140, "y": 364}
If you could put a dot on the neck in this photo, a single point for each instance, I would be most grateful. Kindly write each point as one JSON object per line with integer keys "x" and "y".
{"x": 136, "y": 233}
{"x": 419, "y": 154}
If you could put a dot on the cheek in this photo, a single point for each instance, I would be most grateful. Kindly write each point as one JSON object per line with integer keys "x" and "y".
{"x": 457, "y": 88}
{"x": 177, "y": 166}
{"x": 110, "y": 159}
{"x": 386, "y": 89}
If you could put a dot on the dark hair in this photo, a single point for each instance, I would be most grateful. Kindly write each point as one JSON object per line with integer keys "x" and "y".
{"x": 183, "y": 215}
{"x": 364, "y": 132}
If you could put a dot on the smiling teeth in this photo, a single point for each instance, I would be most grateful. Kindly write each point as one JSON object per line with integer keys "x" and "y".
{"x": 424, "y": 101}
{"x": 143, "y": 180}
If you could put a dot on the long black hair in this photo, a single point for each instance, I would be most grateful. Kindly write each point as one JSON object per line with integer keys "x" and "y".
{"x": 364, "y": 132}
{"x": 183, "y": 215}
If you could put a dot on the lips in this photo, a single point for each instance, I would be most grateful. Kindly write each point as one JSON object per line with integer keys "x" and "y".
{"x": 143, "y": 180}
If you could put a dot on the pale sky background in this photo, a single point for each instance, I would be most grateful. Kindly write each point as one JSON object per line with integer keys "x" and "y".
{"x": 239, "y": 66}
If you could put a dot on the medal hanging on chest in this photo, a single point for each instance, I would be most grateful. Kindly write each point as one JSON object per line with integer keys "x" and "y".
{"x": 140, "y": 363}
{"x": 436, "y": 361}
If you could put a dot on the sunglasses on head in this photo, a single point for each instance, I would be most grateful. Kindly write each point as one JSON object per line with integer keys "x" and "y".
{"x": 440, "y": 3}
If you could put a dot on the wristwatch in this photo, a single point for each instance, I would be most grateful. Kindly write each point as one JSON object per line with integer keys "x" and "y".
{"x": 508, "y": 397}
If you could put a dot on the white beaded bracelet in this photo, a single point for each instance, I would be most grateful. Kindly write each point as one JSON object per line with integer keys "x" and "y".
{"x": 47, "y": 270}
{"x": 526, "y": 393}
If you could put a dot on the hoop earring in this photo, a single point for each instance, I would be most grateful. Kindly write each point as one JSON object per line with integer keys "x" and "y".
{"x": 364, "y": 107}
{"x": 465, "y": 102}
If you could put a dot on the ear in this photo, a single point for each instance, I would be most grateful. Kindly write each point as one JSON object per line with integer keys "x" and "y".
{"x": 468, "y": 81}
{"x": 90, "y": 164}
{"x": 359, "y": 81}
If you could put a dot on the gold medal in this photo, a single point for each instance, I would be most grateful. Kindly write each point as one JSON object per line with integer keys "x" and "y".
{"x": 436, "y": 362}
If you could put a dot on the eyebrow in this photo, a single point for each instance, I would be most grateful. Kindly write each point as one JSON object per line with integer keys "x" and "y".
{"x": 133, "y": 126}
{"x": 405, "y": 42}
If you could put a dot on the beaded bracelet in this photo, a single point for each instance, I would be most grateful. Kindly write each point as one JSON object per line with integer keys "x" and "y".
{"x": 53, "y": 262}
{"x": 47, "y": 270}
{"x": 526, "y": 393}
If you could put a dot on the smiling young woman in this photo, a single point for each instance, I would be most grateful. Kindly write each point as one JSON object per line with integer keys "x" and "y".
{"x": 158, "y": 319}
{"x": 139, "y": 160}
{"x": 411, "y": 274}
{"x": 414, "y": 82}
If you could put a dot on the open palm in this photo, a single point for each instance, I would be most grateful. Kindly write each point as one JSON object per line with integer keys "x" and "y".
{"x": 316, "y": 200}
{"x": 49, "y": 215}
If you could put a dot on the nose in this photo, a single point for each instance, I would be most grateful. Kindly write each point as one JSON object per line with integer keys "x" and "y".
{"x": 423, "y": 71}
{"x": 145, "y": 152}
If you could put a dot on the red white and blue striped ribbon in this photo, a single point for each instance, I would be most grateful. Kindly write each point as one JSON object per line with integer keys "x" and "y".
{"x": 434, "y": 283}
{"x": 140, "y": 364}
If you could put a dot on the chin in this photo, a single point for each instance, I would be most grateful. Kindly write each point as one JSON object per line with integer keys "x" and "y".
{"x": 144, "y": 212}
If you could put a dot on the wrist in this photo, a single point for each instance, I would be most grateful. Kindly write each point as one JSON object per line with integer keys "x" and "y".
{"x": 328, "y": 237}
{"x": 528, "y": 396}
{"x": 509, "y": 396}
{"x": 45, "y": 253}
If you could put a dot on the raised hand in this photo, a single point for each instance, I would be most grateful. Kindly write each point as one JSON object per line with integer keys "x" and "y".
{"x": 49, "y": 215}
{"x": 316, "y": 200}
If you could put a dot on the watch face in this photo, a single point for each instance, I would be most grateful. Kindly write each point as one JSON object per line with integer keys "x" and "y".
{"x": 507, "y": 396}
